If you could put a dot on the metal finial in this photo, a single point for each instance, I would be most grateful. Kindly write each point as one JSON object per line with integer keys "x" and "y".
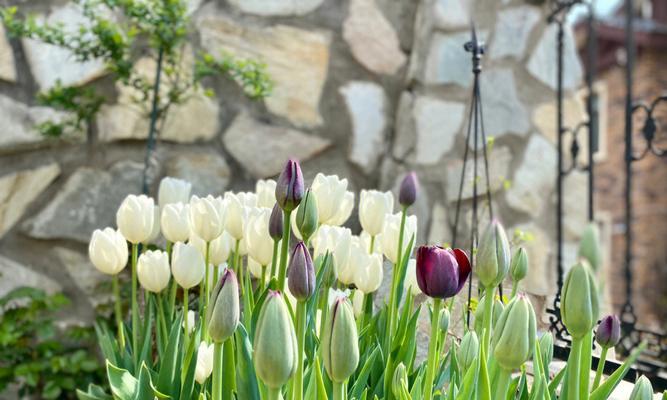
{"x": 477, "y": 48}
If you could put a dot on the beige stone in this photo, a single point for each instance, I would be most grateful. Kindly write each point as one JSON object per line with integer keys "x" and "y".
{"x": 574, "y": 113}
{"x": 84, "y": 275}
{"x": 541, "y": 250}
{"x": 7, "y": 62}
{"x": 439, "y": 231}
{"x": 499, "y": 163}
{"x": 15, "y": 275}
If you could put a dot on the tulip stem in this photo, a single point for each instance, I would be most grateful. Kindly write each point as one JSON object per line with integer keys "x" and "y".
{"x": 372, "y": 245}
{"x": 573, "y": 370}
{"x": 515, "y": 289}
{"x": 119, "y": 315}
{"x": 394, "y": 284}
{"x": 338, "y": 391}
{"x": 161, "y": 318}
{"x": 282, "y": 271}
{"x": 301, "y": 340}
{"x": 274, "y": 257}
{"x": 263, "y": 280}
{"x": 274, "y": 394}
{"x": 236, "y": 268}
{"x": 217, "y": 371}
{"x": 203, "y": 297}
{"x": 503, "y": 384}
{"x": 432, "y": 349}
{"x": 185, "y": 318}
{"x": 488, "y": 317}
{"x": 135, "y": 305}
{"x": 598, "y": 373}
{"x": 174, "y": 286}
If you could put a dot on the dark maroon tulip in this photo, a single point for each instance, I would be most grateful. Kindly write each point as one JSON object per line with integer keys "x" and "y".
{"x": 301, "y": 273}
{"x": 609, "y": 331}
{"x": 290, "y": 187}
{"x": 441, "y": 273}
{"x": 276, "y": 223}
{"x": 408, "y": 192}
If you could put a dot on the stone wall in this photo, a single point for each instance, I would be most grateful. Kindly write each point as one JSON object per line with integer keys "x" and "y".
{"x": 365, "y": 89}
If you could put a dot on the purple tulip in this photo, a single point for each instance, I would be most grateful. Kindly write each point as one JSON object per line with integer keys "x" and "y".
{"x": 408, "y": 192}
{"x": 290, "y": 187}
{"x": 609, "y": 331}
{"x": 301, "y": 273}
{"x": 441, "y": 273}
{"x": 276, "y": 223}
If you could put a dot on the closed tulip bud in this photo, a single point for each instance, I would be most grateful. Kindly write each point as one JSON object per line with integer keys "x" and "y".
{"x": 643, "y": 389}
{"x": 108, "y": 251}
{"x": 408, "y": 191}
{"x": 223, "y": 310}
{"x": 301, "y": 273}
{"x": 469, "y": 349}
{"x": 153, "y": 270}
{"x": 589, "y": 247}
{"x": 173, "y": 190}
{"x": 306, "y": 216}
{"x": 514, "y": 334}
{"x": 176, "y": 222}
{"x": 497, "y": 310}
{"x": 187, "y": 265}
{"x": 204, "y": 366}
{"x": 135, "y": 218}
{"x": 373, "y": 209}
{"x": 444, "y": 320}
{"x": 399, "y": 383}
{"x": 207, "y": 217}
{"x": 276, "y": 223}
{"x": 334, "y": 202}
{"x": 493, "y": 256}
{"x": 441, "y": 273}
{"x": 257, "y": 240}
{"x": 390, "y": 233}
{"x": 519, "y": 266}
{"x": 265, "y": 190}
{"x": 579, "y": 301}
{"x": 609, "y": 331}
{"x": 368, "y": 276}
{"x": 275, "y": 349}
{"x": 546, "y": 344}
{"x": 290, "y": 187}
{"x": 340, "y": 343}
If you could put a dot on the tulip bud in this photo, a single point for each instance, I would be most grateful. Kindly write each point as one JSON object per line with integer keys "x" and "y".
{"x": 643, "y": 389}
{"x": 135, "y": 218}
{"x": 469, "y": 349}
{"x": 276, "y": 223}
{"x": 153, "y": 270}
{"x": 306, "y": 216}
{"x": 108, "y": 251}
{"x": 546, "y": 344}
{"x": 444, "y": 320}
{"x": 519, "y": 266}
{"x": 373, "y": 209}
{"x": 579, "y": 301}
{"x": 441, "y": 273}
{"x": 204, "y": 366}
{"x": 609, "y": 331}
{"x": 493, "y": 255}
{"x": 187, "y": 265}
{"x": 496, "y": 311}
{"x": 290, "y": 187}
{"x": 275, "y": 349}
{"x": 514, "y": 334}
{"x": 340, "y": 347}
{"x": 399, "y": 383}
{"x": 265, "y": 190}
{"x": 301, "y": 273}
{"x": 408, "y": 192}
{"x": 589, "y": 247}
{"x": 176, "y": 222}
{"x": 223, "y": 310}
{"x": 173, "y": 190}
{"x": 207, "y": 218}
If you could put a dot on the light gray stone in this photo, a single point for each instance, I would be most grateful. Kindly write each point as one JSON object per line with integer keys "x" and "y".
{"x": 504, "y": 113}
{"x": 84, "y": 275}
{"x": 541, "y": 277}
{"x": 250, "y": 141}
{"x": 7, "y": 61}
{"x": 88, "y": 201}
{"x": 513, "y": 29}
{"x": 543, "y": 63}
{"x": 276, "y": 7}
{"x": 19, "y": 189}
{"x": 437, "y": 122}
{"x": 296, "y": 59}
{"x": 207, "y": 171}
{"x": 372, "y": 39}
{"x": 447, "y": 61}
{"x": 575, "y": 204}
{"x": 535, "y": 178}
{"x": 367, "y": 106}
{"x": 440, "y": 230}
{"x": 499, "y": 163}
{"x": 14, "y": 275}
{"x": 19, "y": 122}
{"x": 451, "y": 14}
{"x": 50, "y": 63}
{"x": 404, "y": 126}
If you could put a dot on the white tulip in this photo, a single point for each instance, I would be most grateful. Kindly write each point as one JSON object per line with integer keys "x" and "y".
{"x": 153, "y": 270}
{"x": 108, "y": 251}
{"x": 356, "y": 258}
{"x": 135, "y": 218}
{"x": 358, "y": 303}
{"x": 335, "y": 294}
{"x": 411, "y": 277}
{"x": 365, "y": 240}
{"x": 266, "y": 193}
{"x": 155, "y": 231}
{"x": 389, "y": 236}
{"x": 368, "y": 276}
{"x": 173, "y": 190}
{"x": 373, "y": 207}
{"x": 238, "y": 210}
{"x": 187, "y": 265}
{"x": 190, "y": 320}
{"x": 255, "y": 269}
{"x": 257, "y": 239}
{"x": 336, "y": 240}
{"x": 207, "y": 217}
{"x": 334, "y": 204}
{"x": 219, "y": 249}
{"x": 204, "y": 366}
{"x": 176, "y": 222}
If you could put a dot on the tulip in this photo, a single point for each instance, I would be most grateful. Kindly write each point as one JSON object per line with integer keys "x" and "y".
{"x": 579, "y": 301}
{"x": 373, "y": 208}
{"x": 336, "y": 240}
{"x": 441, "y": 273}
{"x": 173, "y": 190}
{"x": 207, "y": 217}
{"x": 399, "y": 383}
{"x": 546, "y": 343}
{"x": 176, "y": 222}
{"x": 301, "y": 273}
{"x": 408, "y": 191}
{"x": 589, "y": 247}
{"x": 265, "y": 190}
{"x": 497, "y": 308}
{"x": 469, "y": 349}
{"x": 444, "y": 320}
{"x": 189, "y": 321}
{"x": 340, "y": 348}
{"x": 519, "y": 265}
{"x": 204, "y": 366}
{"x": 643, "y": 389}
{"x": 369, "y": 243}
{"x": 493, "y": 256}
{"x": 358, "y": 303}
{"x": 276, "y": 223}
{"x": 108, "y": 251}
{"x": 153, "y": 270}
{"x": 290, "y": 187}
{"x": 187, "y": 265}
{"x": 608, "y": 335}
{"x": 257, "y": 240}
{"x": 135, "y": 218}
{"x": 389, "y": 236}
{"x": 368, "y": 276}
{"x": 334, "y": 202}
{"x": 155, "y": 230}
{"x": 411, "y": 283}
{"x": 238, "y": 211}
{"x": 275, "y": 354}
{"x": 514, "y": 335}
{"x": 223, "y": 313}
{"x": 306, "y": 219}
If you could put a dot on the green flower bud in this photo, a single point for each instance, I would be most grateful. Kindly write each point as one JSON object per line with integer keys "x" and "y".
{"x": 340, "y": 348}
{"x": 399, "y": 383}
{"x": 223, "y": 311}
{"x": 519, "y": 266}
{"x": 306, "y": 216}
{"x": 589, "y": 247}
{"x": 579, "y": 301}
{"x": 546, "y": 344}
{"x": 444, "y": 320}
{"x": 468, "y": 350}
{"x": 514, "y": 335}
{"x": 643, "y": 389}
{"x": 497, "y": 310}
{"x": 275, "y": 354}
{"x": 493, "y": 256}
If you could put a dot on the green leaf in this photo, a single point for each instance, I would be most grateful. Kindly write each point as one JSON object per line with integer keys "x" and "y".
{"x": 246, "y": 378}
{"x": 169, "y": 377}
{"x": 604, "y": 390}
{"x": 362, "y": 378}
{"x": 123, "y": 384}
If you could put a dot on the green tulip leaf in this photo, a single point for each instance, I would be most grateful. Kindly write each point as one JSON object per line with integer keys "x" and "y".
{"x": 168, "y": 380}
{"x": 123, "y": 384}
{"x": 604, "y": 390}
